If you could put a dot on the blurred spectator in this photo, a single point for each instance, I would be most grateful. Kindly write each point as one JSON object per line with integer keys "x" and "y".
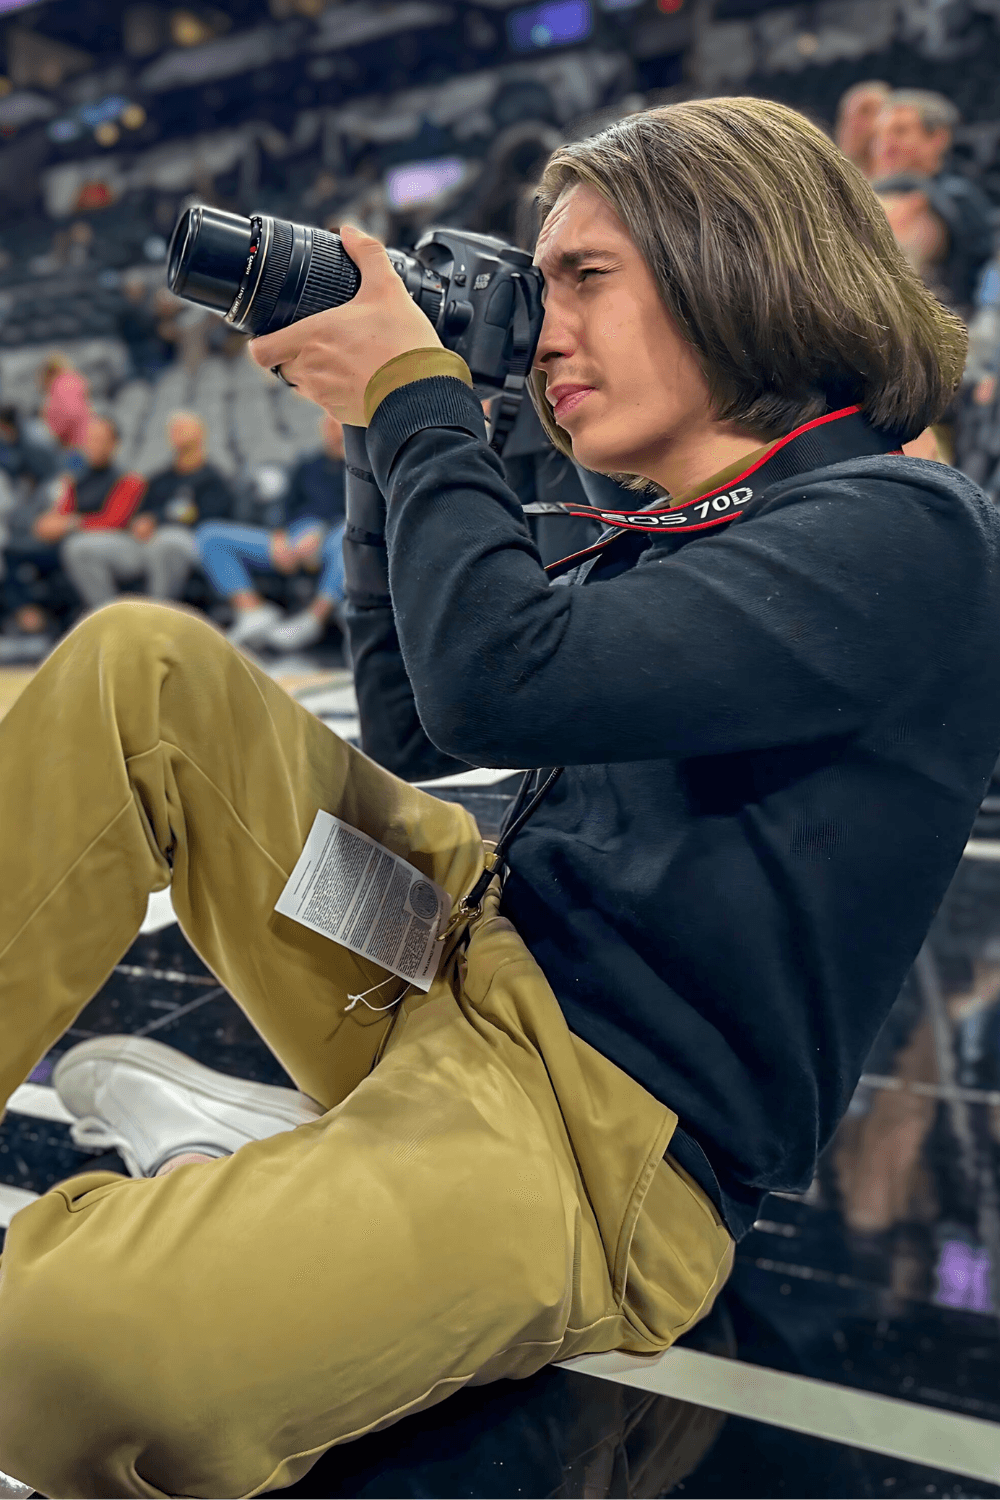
{"x": 942, "y": 222}
{"x": 80, "y": 243}
{"x": 311, "y": 538}
{"x": 100, "y": 498}
{"x": 159, "y": 545}
{"x": 857, "y": 114}
{"x": 23, "y": 465}
{"x": 66, "y": 409}
{"x": 25, "y": 462}
{"x": 321, "y": 197}
{"x": 979, "y": 446}
{"x": 984, "y": 334}
{"x": 138, "y": 327}
{"x": 70, "y": 249}
{"x": 184, "y": 326}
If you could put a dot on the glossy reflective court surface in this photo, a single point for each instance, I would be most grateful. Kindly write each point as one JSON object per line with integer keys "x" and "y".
{"x": 856, "y": 1349}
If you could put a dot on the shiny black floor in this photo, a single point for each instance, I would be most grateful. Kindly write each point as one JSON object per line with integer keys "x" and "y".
{"x": 565, "y": 1434}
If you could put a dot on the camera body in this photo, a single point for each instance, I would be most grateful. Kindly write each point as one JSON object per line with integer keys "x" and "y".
{"x": 483, "y": 296}
{"x": 484, "y": 284}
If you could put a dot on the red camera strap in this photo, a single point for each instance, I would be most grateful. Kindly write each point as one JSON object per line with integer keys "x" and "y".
{"x": 826, "y": 440}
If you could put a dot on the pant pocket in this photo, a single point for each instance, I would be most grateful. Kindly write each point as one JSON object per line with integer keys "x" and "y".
{"x": 89, "y": 1188}
{"x": 679, "y": 1258}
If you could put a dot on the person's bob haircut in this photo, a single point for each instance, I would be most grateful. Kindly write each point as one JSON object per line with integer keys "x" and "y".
{"x": 775, "y": 261}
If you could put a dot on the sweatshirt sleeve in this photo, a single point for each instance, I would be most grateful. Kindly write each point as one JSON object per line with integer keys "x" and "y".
{"x": 391, "y": 731}
{"x": 792, "y": 625}
{"x": 120, "y": 506}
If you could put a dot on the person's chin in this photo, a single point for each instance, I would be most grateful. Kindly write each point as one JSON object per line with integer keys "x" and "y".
{"x": 590, "y": 453}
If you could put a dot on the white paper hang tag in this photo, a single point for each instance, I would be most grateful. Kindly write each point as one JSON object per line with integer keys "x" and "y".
{"x": 351, "y": 889}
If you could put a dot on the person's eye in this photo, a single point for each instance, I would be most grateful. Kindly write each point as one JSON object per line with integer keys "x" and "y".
{"x": 589, "y": 271}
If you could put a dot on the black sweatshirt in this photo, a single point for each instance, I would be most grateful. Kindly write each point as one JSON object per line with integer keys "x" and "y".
{"x": 777, "y": 736}
{"x": 188, "y": 499}
{"x": 316, "y": 491}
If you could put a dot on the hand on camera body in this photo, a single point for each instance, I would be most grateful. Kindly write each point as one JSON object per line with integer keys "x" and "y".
{"x": 331, "y": 356}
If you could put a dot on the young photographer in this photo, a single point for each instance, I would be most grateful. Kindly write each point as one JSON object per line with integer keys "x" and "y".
{"x": 777, "y": 719}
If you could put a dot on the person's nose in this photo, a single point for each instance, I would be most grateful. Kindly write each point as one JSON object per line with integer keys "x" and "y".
{"x": 558, "y": 339}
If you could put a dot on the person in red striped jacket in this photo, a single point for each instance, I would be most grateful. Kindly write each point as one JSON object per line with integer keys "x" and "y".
{"x": 101, "y": 498}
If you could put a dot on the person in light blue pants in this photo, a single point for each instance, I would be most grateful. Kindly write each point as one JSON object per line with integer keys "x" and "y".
{"x": 310, "y": 539}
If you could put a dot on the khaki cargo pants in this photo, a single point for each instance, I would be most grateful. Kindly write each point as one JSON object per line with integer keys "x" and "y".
{"x": 485, "y": 1194}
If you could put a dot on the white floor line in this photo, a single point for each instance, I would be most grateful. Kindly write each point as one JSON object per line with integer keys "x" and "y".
{"x": 880, "y": 1424}
{"x": 347, "y": 728}
{"x": 39, "y": 1101}
{"x": 159, "y": 912}
{"x": 12, "y": 1199}
{"x": 982, "y": 849}
{"x": 334, "y": 699}
{"x": 478, "y": 776}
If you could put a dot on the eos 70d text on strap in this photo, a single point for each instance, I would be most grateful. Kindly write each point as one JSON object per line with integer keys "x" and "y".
{"x": 826, "y": 440}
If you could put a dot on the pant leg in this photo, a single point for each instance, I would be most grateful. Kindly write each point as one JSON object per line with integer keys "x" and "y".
{"x": 146, "y": 713}
{"x": 169, "y": 556}
{"x": 331, "y": 579}
{"x": 468, "y": 1209}
{"x": 226, "y": 549}
{"x": 97, "y": 562}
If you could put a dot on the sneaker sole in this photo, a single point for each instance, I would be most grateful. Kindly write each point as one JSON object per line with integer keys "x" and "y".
{"x": 161, "y": 1061}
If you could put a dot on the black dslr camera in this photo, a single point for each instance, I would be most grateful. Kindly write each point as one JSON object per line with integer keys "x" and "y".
{"x": 483, "y": 297}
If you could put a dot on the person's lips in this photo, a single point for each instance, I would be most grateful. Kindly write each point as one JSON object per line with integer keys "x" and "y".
{"x": 565, "y": 398}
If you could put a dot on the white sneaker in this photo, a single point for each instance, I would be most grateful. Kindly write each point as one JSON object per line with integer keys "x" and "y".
{"x": 254, "y": 625}
{"x": 296, "y": 633}
{"x": 151, "y": 1102}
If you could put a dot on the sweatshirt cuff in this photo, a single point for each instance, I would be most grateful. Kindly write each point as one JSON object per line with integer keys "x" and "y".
{"x": 438, "y": 401}
{"x": 415, "y": 364}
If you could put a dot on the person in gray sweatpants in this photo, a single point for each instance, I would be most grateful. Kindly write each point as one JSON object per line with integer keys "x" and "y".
{"x": 159, "y": 545}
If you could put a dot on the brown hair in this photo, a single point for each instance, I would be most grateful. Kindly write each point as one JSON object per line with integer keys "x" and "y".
{"x": 775, "y": 260}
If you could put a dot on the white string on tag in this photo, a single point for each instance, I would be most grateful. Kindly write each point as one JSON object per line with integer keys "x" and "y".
{"x": 355, "y": 998}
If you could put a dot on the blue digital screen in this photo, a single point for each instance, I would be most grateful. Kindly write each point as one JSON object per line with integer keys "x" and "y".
{"x": 551, "y": 25}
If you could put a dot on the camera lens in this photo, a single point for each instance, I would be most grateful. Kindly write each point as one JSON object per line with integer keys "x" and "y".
{"x": 264, "y": 273}
{"x": 207, "y": 256}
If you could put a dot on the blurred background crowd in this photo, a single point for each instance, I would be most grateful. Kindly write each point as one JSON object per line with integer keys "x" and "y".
{"x": 142, "y": 450}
